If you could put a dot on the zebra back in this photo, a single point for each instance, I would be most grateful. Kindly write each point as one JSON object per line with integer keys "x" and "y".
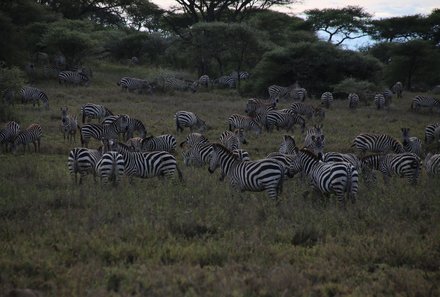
{"x": 377, "y": 143}
{"x": 326, "y": 99}
{"x": 165, "y": 142}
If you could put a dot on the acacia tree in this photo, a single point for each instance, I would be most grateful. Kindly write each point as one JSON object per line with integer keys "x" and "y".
{"x": 350, "y": 22}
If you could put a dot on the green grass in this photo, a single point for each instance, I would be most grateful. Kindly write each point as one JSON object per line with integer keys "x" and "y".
{"x": 201, "y": 238}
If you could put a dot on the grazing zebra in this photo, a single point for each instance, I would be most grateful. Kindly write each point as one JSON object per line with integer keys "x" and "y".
{"x": 308, "y": 110}
{"x": 226, "y": 81}
{"x": 388, "y": 95}
{"x": 397, "y": 89}
{"x": 83, "y": 161}
{"x": 33, "y": 134}
{"x": 243, "y": 75}
{"x": 134, "y": 125}
{"x": 379, "y": 101}
{"x": 353, "y": 100}
{"x": 314, "y": 139}
{"x": 172, "y": 83}
{"x": 289, "y": 162}
{"x": 246, "y": 123}
{"x": 198, "y": 154}
{"x": 285, "y": 119}
{"x": 165, "y": 143}
{"x": 110, "y": 168}
{"x": 257, "y": 106}
{"x": 262, "y": 175}
{"x": 232, "y": 139}
{"x": 411, "y": 144}
{"x": 403, "y": 165}
{"x": 69, "y": 124}
{"x": 424, "y": 101}
{"x": 432, "y": 132}
{"x": 35, "y": 95}
{"x": 102, "y": 132}
{"x": 339, "y": 178}
{"x": 94, "y": 111}
{"x": 188, "y": 119}
{"x": 73, "y": 77}
{"x": 192, "y": 139}
{"x": 135, "y": 144}
{"x": 8, "y": 133}
{"x": 204, "y": 80}
{"x": 432, "y": 164}
{"x": 130, "y": 84}
{"x": 278, "y": 92}
{"x": 299, "y": 94}
{"x": 326, "y": 99}
{"x": 377, "y": 143}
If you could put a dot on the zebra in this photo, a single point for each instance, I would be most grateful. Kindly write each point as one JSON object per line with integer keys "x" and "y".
{"x": 379, "y": 101}
{"x": 35, "y": 95}
{"x": 340, "y": 178}
{"x": 243, "y": 75}
{"x": 289, "y": 162}
{"x": 353, "y": 100}
{"x": 133, "y": 125}
{"x": 299, "y": 94}
{"x": 232, "y": 139}
{"x": 73, "y": 78}
{"x": 226, "y": 81}
{"x": 94, "y": 111}
{"x": 285, "y": 119}
{"x": 135, "y": 143}
{"x": 69, "y": 124}
{"x": 101, "y": 132}
{"x": 188, "y": 119}
{"x": 432, "y": 133}
{"x": 425, "y": 101}
{"x": 244, "y": 122}
{"x": 411, "y": 144}
{"x": 326, "y": 99}
{"x": 257, "y": 106}
{"x": 110, "y": 167}
{"x": 262, "y": 175}
{"x": 172, "y": 83}
{"x": 308, "y": 110}
{"x": 241, "y": 154}
{"x": 33, "y": 134}
{"x": 349, "y": 158}
{"x": 83, "y": 161}
{"x": 377, "y": 143}
{"x": 8, "y": 133}
{"x": 432, "y": 164}
{"x": 288, "y": 146}
{"x": 314, "y": 139}
{"x": 403, "y": 165}
{"x": 192, "y": 139}
{"x": 397, "y": 89}
{"x": 388, "y": 95}
{"x": 165, "y": 143}
{"x": 204, "y": 80}
{"x": 198, "y": 154}
{"x": 278, "y": 92}
{"x": 133, "y": 61}
{"x": 130, "y": 84}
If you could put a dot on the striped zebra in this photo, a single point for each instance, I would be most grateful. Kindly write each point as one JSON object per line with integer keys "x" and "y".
{"x": 299, "y": 94}
{"x": 339, "y": 178}
{"x": 262, "y": 175}
{"x": 241, "y": 154}
{"x": 32, "y": 134}
{"x": 188, "y": 119}
{"x": 165, "y": 143}
{"x": 110, "y": 168}
{"x": 192, "y": 139}
{"x": 176, "y": 84}
{"x": 34, "y": 95}
{"x": 432, "y": 133}
{"x": 289, "y": 162}
{"x": 102, "y": 132}
{"x": 232, "y": 140}
{"x": 83, "y": 161}
{"x": 256, "y": 106}
{"x": 73, "y": 78}
{"x": 308, "y": 111}
{"x": 204, "y": 80}
{"x": 278, "y": 92}
{"x": 403, "y": 165}
{"x": 379, "y": 101}
{"x": 198, "y": 154}
{"x": 244, "y": 75}
{"x": 225, "y": 81}
{"x": 353, "y": 100}
{"x": 425, "y": 101}
{"x": 343, "y": 157}
{"x": 377, "y": 143}
{"x": 246, "y": 123}
{"x": 69, "y": 124}
{"x": 326, "y": 99}
{"x": 432, "y": 164}
{"x": 314, "y": 139}
{"x": 134, "y": 125}
{"x": 94, "y": 111}
{"x": 8, "y": 134}
{"x": 397, "y": 89}
{"x": 388, "y": 95}
{"x": 285, "y": 119}
{"x": 131, "y": 84}
{"x": 134, "y": 143}
{"x": 411, "y": 144}
{"x": 288, "y": 146}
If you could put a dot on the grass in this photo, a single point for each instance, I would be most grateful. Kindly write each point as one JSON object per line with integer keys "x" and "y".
{"x": 200, "y": 238}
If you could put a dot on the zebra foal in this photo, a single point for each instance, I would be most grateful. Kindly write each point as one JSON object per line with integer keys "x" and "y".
{"x": 69, "y": 124}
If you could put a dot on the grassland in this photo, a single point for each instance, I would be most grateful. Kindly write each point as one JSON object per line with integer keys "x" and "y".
{"x": 200, "y": 238}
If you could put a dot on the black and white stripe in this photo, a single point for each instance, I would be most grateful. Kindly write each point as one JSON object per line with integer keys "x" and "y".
{"x": 8, "y": 134}
{"x": 278, "y": 92}
{"x": 188, "y": 119}
{"x": 353, "y": 100}
{"x": 289, "y": 161}
{"x": 94, "y": 111}
{"x": 134, "y": 143}
{"x": 175, "y": 84}
{"x": 425, "y": 101}
{"x": 388, "y": 95}
{"x": 299, "y": 94}
{"x": 69, "y": 124}
{"x": 83, "y": 161}
{"x": 262, "y": 175}
{"x": 256, "y": 106}
{"x": 197, "y": 154}
{"x": 308, "y": 111}
{"x": 204, "y": 80}
{"x": 134, "y": 125}
{"x": 246, "y": 123}
{"x": 326, "y": 99}
{"x": 192, "y": 139}
{"x": 244, "y": 75}
{"x": 32, "y": 134}
{"x": 432, "y": 133}
{"x": 225, "y": 81}
{"x": 286, "y": 122}
{"x": 397, "y": 89}
{"x": 377, "y": 143}
{"x": 110, "y": 168}
{"x": 34, "y": 95}
{"x": 166, "y": 142}
{"x": 288, "y": 146}
{"x": 432, "y": 164}
{"x": 232, "y": 140}
{"x": 314, "y": 139}
{"x": 102, "y": 132}
{"x": 379, "y": 101}
{"x": 411, "y": 144}
{"x": 131, "y": 84}
{"x": 73, "y": 78}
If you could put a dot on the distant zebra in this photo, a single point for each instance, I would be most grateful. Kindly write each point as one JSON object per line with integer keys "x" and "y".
{"x": 432, "y": 132}
{"x": 285, "y": 119}
{"x": 256, "y": 106}
{"x": 425, "y": 101}
{"x": 172, "y": 83}
{"x": 314, "y": 139}
{"x": 188, "y": 119}
{"x": 226, "y": 81}
{"x": 192, "y": 139}
{"x": 411, "y": 144}
{"x": 308, "y": 110}
{"x": 288, "y": 146}
{"x": 134, "y": 125}
{"x": 243, "y": 75}
{"x": 94, "y": 111}
{"x": 8, "y": 133}
{"x": 165, "y": 143}
{"x": 388, "y": 95}
{"x": 379, "y": 101}
{"x": 101, "y": 132}
{"x": 262, "y": 175}
{"x": 32, "y": 134}
{"x": 278, "y": 92}
{"x": 204, "y": 80}
{"x": 377, "y": 143}
{"x": 246, "y": 123}
{"x": 353, "y": 100}
{"x": 432, "y": 164}
{"x": 73, "y": 78}
{"x": 110, "y": 168}
{"x": 83, "y": 161}
{"x": 326, "y": 99}
{"x": 299, "y": 94}
{"x": 403, "y": 165}
{"x": 397, "y": 89}
{"x": 35, "y": 95}
{"x": 131, "y": 84}
{"x": 69, "y": 124}
{"x": 232, "y": 140}
{"x": 340, "y": 178}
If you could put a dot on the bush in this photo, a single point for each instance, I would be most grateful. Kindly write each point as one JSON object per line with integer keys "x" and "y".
{"x": 361, "y": 87}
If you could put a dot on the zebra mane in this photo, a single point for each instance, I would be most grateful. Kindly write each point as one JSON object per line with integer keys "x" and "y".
{"x": 310, "y": 154}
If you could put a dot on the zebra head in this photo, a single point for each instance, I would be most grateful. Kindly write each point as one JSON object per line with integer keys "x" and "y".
{"x": 214, "y": 163}
{"x": 288, "y": 145}
{"x": 319, "y": 114}
{"x": 240, "y": 135}
{"x": 64, "y": 114}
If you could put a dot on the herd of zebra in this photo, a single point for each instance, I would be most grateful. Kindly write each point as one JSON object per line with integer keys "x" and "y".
{"x": 148, "y": 156}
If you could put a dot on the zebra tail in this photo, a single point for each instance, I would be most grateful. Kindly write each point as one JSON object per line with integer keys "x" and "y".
{"x": 81, "y": 137}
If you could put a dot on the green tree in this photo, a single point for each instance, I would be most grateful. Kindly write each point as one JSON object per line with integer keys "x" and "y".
{"x": 397, "y": 28}
{"x": 142, "y": 14}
